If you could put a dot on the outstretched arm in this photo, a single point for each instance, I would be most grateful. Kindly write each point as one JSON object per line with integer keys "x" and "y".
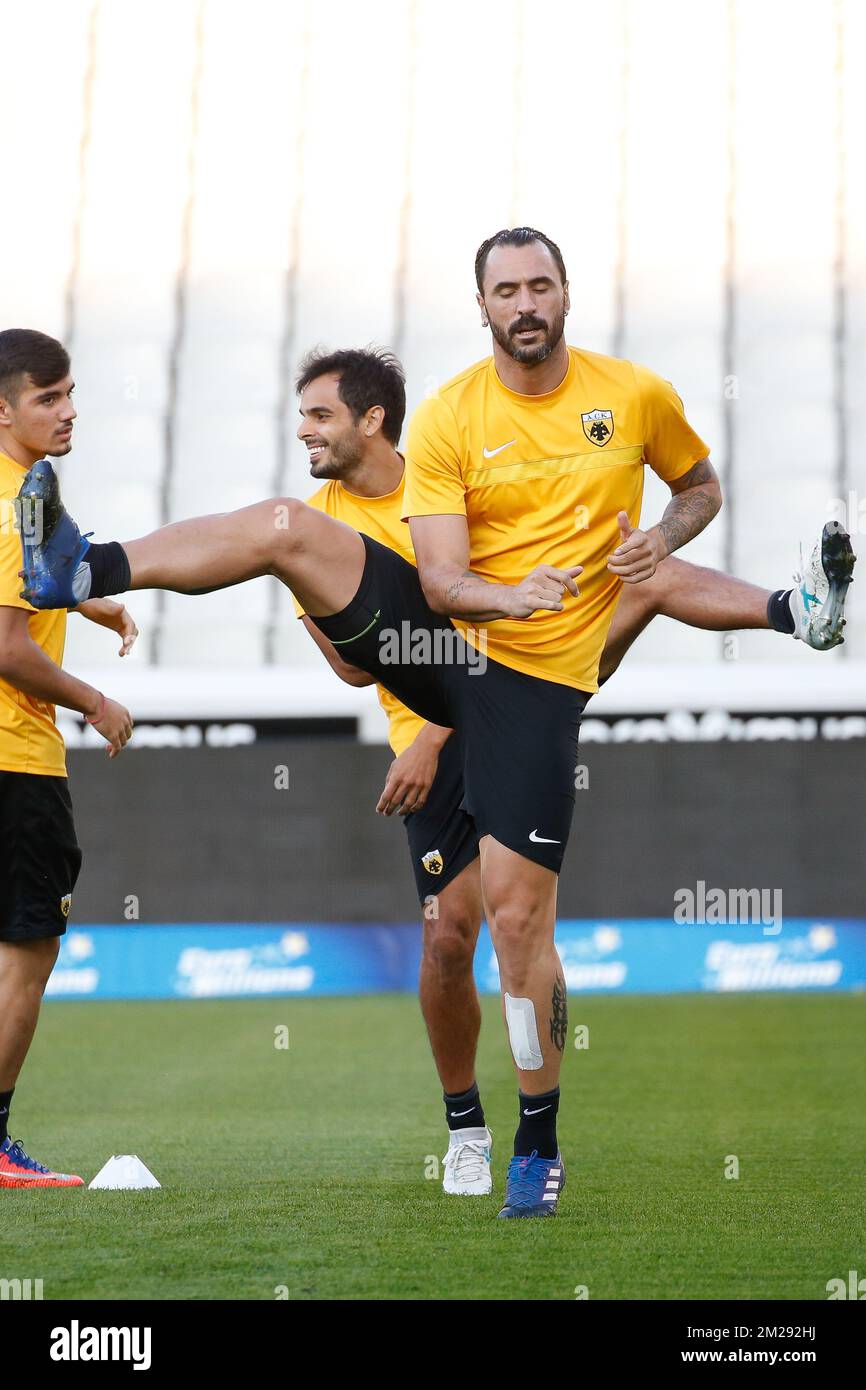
{"x": 697, "y": 496}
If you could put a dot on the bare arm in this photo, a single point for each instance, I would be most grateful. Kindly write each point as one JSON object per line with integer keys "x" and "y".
{"x": 697, "y": 496}
{"x": 441, "y": 546}
{"x": 352, "y": 675}
{"x": 25, "y": 666}
{"x": 412, "y": 773}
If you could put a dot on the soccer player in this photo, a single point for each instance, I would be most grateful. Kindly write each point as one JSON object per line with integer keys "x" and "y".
{"x": 524, "y": 473}
{"x": 39, "y": 853}
{"x": 352, "y": 404}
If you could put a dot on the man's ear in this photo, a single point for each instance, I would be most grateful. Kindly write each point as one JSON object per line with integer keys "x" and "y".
{"x": 484, "y": 317}
{"x": 374, "y": 420}
{"x": 566, "y": 297}
{"x": 5, "y": 412}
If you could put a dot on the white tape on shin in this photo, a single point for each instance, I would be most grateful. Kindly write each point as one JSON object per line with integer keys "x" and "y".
{"x": 523, "y": 1033}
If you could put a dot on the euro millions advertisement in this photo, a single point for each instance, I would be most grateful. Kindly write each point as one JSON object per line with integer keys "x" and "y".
{"x": 235, "y": 961}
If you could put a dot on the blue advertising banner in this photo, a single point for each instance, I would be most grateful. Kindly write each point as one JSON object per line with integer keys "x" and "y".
{"x": 642, "y": 956}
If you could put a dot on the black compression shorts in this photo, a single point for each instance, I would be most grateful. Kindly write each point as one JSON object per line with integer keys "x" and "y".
{"x": 518, "y": 732}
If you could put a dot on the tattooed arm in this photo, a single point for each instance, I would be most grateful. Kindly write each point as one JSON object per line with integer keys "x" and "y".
{"x": 697, "y": 496}
{"x": 441, "y": 545}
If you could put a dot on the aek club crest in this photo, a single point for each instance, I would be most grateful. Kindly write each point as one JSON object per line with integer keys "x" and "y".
{"x": 598, "y": 426}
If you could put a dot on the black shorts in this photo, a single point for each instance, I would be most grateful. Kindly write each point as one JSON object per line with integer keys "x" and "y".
{"x": 518, "y": 732}
{"x": 442, "y": 835}
{"x": 39, "y": 856}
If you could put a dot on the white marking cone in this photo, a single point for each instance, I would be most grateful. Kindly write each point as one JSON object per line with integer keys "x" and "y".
{"x": 124, "y": 1171}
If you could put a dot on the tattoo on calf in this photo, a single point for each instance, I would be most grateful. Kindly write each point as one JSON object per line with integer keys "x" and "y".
{"x": 559, "y": 1019}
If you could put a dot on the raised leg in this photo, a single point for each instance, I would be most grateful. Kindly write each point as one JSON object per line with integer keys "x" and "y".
{"x": 321, "y": 560}
{"x": 690, "y": 594}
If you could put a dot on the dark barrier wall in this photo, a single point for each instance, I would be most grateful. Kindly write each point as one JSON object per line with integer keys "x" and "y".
{"x": 206, "y": 835}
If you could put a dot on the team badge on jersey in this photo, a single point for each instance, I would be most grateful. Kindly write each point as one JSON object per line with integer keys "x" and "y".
{"x": 598, "y": 426}
{"x": 65, "y": 904}
{"x": 433, "y": 862}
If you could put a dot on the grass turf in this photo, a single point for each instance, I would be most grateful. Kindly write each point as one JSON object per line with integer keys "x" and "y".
{"x": 304, "y": 1169}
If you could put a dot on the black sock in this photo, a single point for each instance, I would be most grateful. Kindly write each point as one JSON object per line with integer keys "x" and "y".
{"x": 109, "y": 569}
{"x": 5, "y": 1102}
{"x": 537, "y": 1128}
{"x": 779, "y": 613}
{"x": 469, "y": 1112}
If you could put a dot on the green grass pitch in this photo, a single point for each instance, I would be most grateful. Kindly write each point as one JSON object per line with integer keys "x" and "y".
{"x": 303, "y": 1169}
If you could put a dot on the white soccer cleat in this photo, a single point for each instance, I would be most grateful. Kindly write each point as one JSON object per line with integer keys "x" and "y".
{"x": 467, "y": 1163}
{"x": 818, "y": 601}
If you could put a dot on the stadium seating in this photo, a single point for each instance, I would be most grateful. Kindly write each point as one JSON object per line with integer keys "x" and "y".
{"x": 206, "y": 243}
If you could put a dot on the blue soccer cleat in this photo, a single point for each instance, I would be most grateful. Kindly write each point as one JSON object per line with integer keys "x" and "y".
{"x": 533, "y": 1185}
{"x": 52, "y": 544}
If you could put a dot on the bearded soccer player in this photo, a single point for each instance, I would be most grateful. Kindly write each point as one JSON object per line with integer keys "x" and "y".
{"x": 352, "y": 405}
{"x": 39, "y": 854}
{"x": 496, "y": 546}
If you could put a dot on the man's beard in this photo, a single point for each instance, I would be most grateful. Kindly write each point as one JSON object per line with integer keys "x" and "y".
{"x": 343, "y": 454}
{"x": 530, "y": 356}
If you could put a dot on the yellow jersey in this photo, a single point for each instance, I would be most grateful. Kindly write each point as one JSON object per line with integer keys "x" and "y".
{"x": 380, "y": 518}
{"x": 29, "y": 738}
{"x": 540, "y": 480}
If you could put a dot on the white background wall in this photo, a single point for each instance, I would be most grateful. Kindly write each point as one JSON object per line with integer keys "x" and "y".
{"x": 198, "y": 192}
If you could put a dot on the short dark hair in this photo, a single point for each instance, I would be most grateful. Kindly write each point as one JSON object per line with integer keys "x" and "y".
{"x": 24, "y": 352}
{"x": 368, "y": 376}
{"x": 515, "y": 236}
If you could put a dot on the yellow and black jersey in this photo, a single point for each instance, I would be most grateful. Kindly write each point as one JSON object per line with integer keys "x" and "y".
{"x": 380, "y": 518}
{"x": 540, "y": 480}
{"x": 29, "y": 738}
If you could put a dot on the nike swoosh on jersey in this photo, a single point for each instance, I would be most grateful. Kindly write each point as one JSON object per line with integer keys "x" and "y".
{"x": 491, "y": 453}
{"x": 540, "y": 839}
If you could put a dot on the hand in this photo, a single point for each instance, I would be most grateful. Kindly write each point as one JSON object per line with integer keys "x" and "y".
{"x": 410, "y": 778}
{"x": 543, "y": 588}
{"x": 125, "y": 627}
{"x": 112, "y": 721}
{"x": 637, "y": 557}
{"x": 107, "y": 613}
